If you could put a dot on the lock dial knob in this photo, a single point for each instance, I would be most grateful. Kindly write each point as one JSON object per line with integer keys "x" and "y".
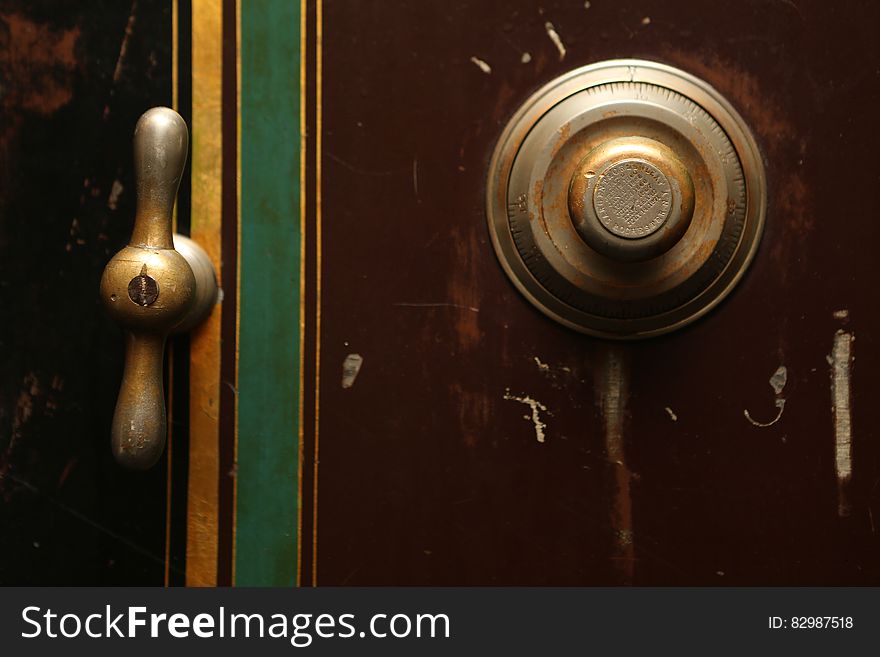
{"x": 626, "y": 198}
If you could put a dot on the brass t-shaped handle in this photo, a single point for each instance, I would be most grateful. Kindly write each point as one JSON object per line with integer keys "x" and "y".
{"x": 151, "y": 289}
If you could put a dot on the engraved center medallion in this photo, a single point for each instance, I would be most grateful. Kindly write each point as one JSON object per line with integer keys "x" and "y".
{"x": 632, "y": 199}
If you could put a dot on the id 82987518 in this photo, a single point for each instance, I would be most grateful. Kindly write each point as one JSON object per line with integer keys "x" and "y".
{"x": 810, "y": 623}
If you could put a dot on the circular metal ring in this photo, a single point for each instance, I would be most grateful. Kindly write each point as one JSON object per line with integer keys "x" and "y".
{"x": 688, "y": 246}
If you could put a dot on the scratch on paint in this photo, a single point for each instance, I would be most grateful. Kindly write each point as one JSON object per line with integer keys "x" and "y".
{"x": 126, "y": 37}
{"x": 536, "y": 407}
{"x": 612, "y": 389}
{"x": 416, "y": 179}
{"x": 780, "y": 407}
{"x": 840, "y": 360}
{"x": 555, "y": 38}
{"x": 777, "y": 382}
{"x": 351, "y": 366}
{"x": 57, "y": 503}
{"x": 544, "y": 367}
{"x": 438, "y": 304}
{"x": 483, "y": 66}
{"x": 123, "y": 50}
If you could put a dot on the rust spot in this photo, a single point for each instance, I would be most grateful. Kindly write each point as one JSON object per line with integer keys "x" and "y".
{"x": 790, "y": 199}
{"x": 503, "y": 101}
{"x": 754, "y": 102}
{"x": 791, "y": 204}
{"x": 463, "y": 290}
{"x": 37, "y": 63}
{"x": 562, "y": 136}
{"x": 473, "y": 412}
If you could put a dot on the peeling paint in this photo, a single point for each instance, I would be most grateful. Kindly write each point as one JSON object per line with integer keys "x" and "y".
{"x": 482, "y": 65}
{"x": 351, "y": 366}
{"x": 777, "y": 381}
{"x": 556, "y": 39}
{"x": 535, "y": 417}
{"x": 841, "y": 360}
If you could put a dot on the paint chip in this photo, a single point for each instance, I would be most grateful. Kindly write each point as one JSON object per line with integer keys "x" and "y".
{"x": 840, "y": 360}
{"x": 646, "y": 20}
{"x": 672, "y": 415}
{"x": 351, "y": 366}
{"x": 535, "y": 417}
{"x": 841, "y": 314}
{"x": 483, "y": 66}
{"x": 777, "y": 382}
{"x": 115, "y": 193}
{"x": 587, "y": 4}
{"x": 526, "y": 57}
{"x": 555, "y": 38}
{"x": 544, "y": 367}
{"x": 779, "y": 379}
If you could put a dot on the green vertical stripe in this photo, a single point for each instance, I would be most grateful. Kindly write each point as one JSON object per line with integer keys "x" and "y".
{"x": 269, "y": 301}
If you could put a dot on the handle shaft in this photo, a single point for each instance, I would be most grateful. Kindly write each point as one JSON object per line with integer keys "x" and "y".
{"x": 139, "y": 422}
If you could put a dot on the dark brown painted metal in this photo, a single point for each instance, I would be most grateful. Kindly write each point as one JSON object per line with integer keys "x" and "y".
{"x": 74, "y": 78}
{"x": 228, "y": 274}
{"x": 428, "y": 475}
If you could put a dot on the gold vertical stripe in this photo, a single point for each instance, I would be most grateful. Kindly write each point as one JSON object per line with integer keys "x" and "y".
{"x": 237, "y": 268}
{"x": 302, "y": 277}
{"x": 168, "y": 465}
{"x": 175, "y": 61}
{"x": 174, "y": 65}
{"x": 206, "y": 214}
{"x": 319, "y": 32}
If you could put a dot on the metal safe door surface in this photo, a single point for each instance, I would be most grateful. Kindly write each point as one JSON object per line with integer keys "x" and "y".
{"x": 481, "y": 443}
{"x": 374, "y": 402}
